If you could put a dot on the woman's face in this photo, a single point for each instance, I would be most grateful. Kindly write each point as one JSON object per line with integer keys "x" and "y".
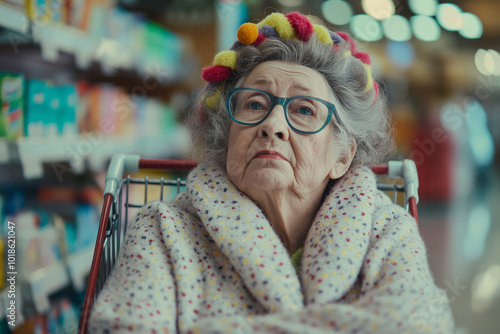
{"x": 271, "y": 156}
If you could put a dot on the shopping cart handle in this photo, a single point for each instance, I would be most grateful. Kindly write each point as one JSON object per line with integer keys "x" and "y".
{"x": 407, "y": 170}
{"x": 120, "y": 163}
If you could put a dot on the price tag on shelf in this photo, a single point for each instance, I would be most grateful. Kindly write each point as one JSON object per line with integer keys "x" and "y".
{"x": 13, "y": 19}
{"x": 32, "y": 169}
{"x": 54, "y": 38}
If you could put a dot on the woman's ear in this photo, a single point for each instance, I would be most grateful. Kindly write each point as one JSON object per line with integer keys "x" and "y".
{"x": 343, "y": 163}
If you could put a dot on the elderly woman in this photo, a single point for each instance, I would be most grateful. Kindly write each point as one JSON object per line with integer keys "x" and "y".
{"x": 282, "y": 228}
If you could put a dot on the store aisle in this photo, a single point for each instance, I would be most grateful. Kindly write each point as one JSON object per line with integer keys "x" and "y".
{"x": 463, "y": 240}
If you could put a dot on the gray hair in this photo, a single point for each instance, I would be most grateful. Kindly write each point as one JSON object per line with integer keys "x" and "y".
{"x": 363, "y": 119}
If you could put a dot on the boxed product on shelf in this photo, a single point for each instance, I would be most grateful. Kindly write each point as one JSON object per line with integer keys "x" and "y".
{"x": 12, "y": 105}
{"x": 36, "y": 105}
{"x": 124, "y": 27}
{"x": 82, "y": 90}
{"x": 87, "y": 224}
{"x": 51, "y": 113}
{"x": 58, "y": 11}
{"x": 51, "y": 110}
{"x": 123, "y": 114}
{"x": 47, "y": 10}
{"x": 154, "y": 119}
{"x": 92, "y": 113}
{"x": 68, "y": 108}
{"x": 93, "y": 15}
{"x": 161, "y": 48}
{"x": 69, "y": 316}
{"x": 61, "y": 317}
{"x": 38, "y": 10}
{"x": 74, "y": 13}
{"x": 105, "y": 109}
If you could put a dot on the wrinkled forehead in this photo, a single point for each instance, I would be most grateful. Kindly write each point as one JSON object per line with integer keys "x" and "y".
{"x": 287, "y": 77}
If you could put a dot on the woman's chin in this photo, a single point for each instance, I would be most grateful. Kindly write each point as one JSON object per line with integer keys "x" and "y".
{"x": 268, "y": 178}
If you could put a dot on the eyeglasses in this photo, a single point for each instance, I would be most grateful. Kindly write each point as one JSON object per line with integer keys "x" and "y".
{"x": 304, "y": 114}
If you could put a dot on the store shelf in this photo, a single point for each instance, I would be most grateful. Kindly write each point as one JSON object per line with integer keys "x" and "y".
{"x": 90, "y": 149}
{"x": 109, "y": 53}
{"x": 58, "y": 275}
{"x": 54, "y": 38}
{"x": 46, "y": 281}
{"x": 13, "y": 19}
{"x": 79, "y": 265}
{"x": 112, "y": 55}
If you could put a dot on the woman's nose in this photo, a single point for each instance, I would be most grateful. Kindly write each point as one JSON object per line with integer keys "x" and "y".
{"x": 275, "y": 125}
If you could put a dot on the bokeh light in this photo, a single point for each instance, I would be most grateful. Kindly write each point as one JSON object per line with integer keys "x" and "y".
{"x": 449, "y": 16}
{"x": 472, "y": 26}
{"x": 379, "y": 9}
{"x": 366, "y": 28}
{"x": 481, "y": 141}
{"x": 423, "y": 7}
{"x": 336, "y": 12}
{"x": 477, "y": 232}
{"x": 291, "y": 3}
{"x": 485, "y": 288}
{"x": 495, "y": 68}
{"x": 479, "y": 60}
{"x": 487, "y": 62}
{"x": 397, "y": 28}
{"x": 425, "y": 28}
{"x": 401, "y": 53}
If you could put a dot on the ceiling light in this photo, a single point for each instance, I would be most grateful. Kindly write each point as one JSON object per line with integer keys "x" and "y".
{"x": 379, "y": 9}
{"x": 336, "y": 12}
{"x": 397, "y": 28}
{"x": 366, "y": 28}
{"x": 472, "y": 26}
{"x": 450, "y": 17}
{"x": 425, "y": 28}
{"x": 423, "y": 7}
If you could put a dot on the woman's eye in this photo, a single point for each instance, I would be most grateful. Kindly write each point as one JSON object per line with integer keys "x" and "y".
{"x": 255, "y": 105}
{"x": 305, "y": 111}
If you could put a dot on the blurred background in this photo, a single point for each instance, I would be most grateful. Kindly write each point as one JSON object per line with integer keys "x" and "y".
{"x": 81, "y": 80}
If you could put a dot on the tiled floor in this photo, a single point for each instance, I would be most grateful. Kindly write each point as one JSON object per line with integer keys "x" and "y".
{"x": 463, "y": 240}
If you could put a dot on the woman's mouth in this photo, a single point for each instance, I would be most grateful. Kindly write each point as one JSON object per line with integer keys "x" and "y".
{"x": 269, "y": 155}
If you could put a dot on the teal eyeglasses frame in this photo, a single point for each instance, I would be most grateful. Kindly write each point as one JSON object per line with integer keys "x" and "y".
{"x": 282, "y": 101}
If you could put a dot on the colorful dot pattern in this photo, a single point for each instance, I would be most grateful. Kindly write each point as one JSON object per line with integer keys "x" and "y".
{"x": 210, "y": 262}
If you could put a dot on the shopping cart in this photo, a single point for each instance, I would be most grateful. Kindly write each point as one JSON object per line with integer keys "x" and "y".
{"x": 398, "y": 177}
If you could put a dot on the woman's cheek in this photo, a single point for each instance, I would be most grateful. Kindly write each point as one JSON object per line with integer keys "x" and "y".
{"x": 311, "y": 160}
{"x": 238, "y": 152}
{"x": 305, "y": 156}
{"x": 235, "y": 167}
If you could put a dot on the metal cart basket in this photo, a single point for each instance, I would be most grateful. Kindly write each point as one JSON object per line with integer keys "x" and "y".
{"x": 396, "y": 177}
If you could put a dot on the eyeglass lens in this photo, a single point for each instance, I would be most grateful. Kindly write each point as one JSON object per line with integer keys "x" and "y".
{"x": 304, "y": 114}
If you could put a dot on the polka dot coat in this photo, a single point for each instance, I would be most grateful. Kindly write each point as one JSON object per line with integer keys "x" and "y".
{"x": 210, "y": 262}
